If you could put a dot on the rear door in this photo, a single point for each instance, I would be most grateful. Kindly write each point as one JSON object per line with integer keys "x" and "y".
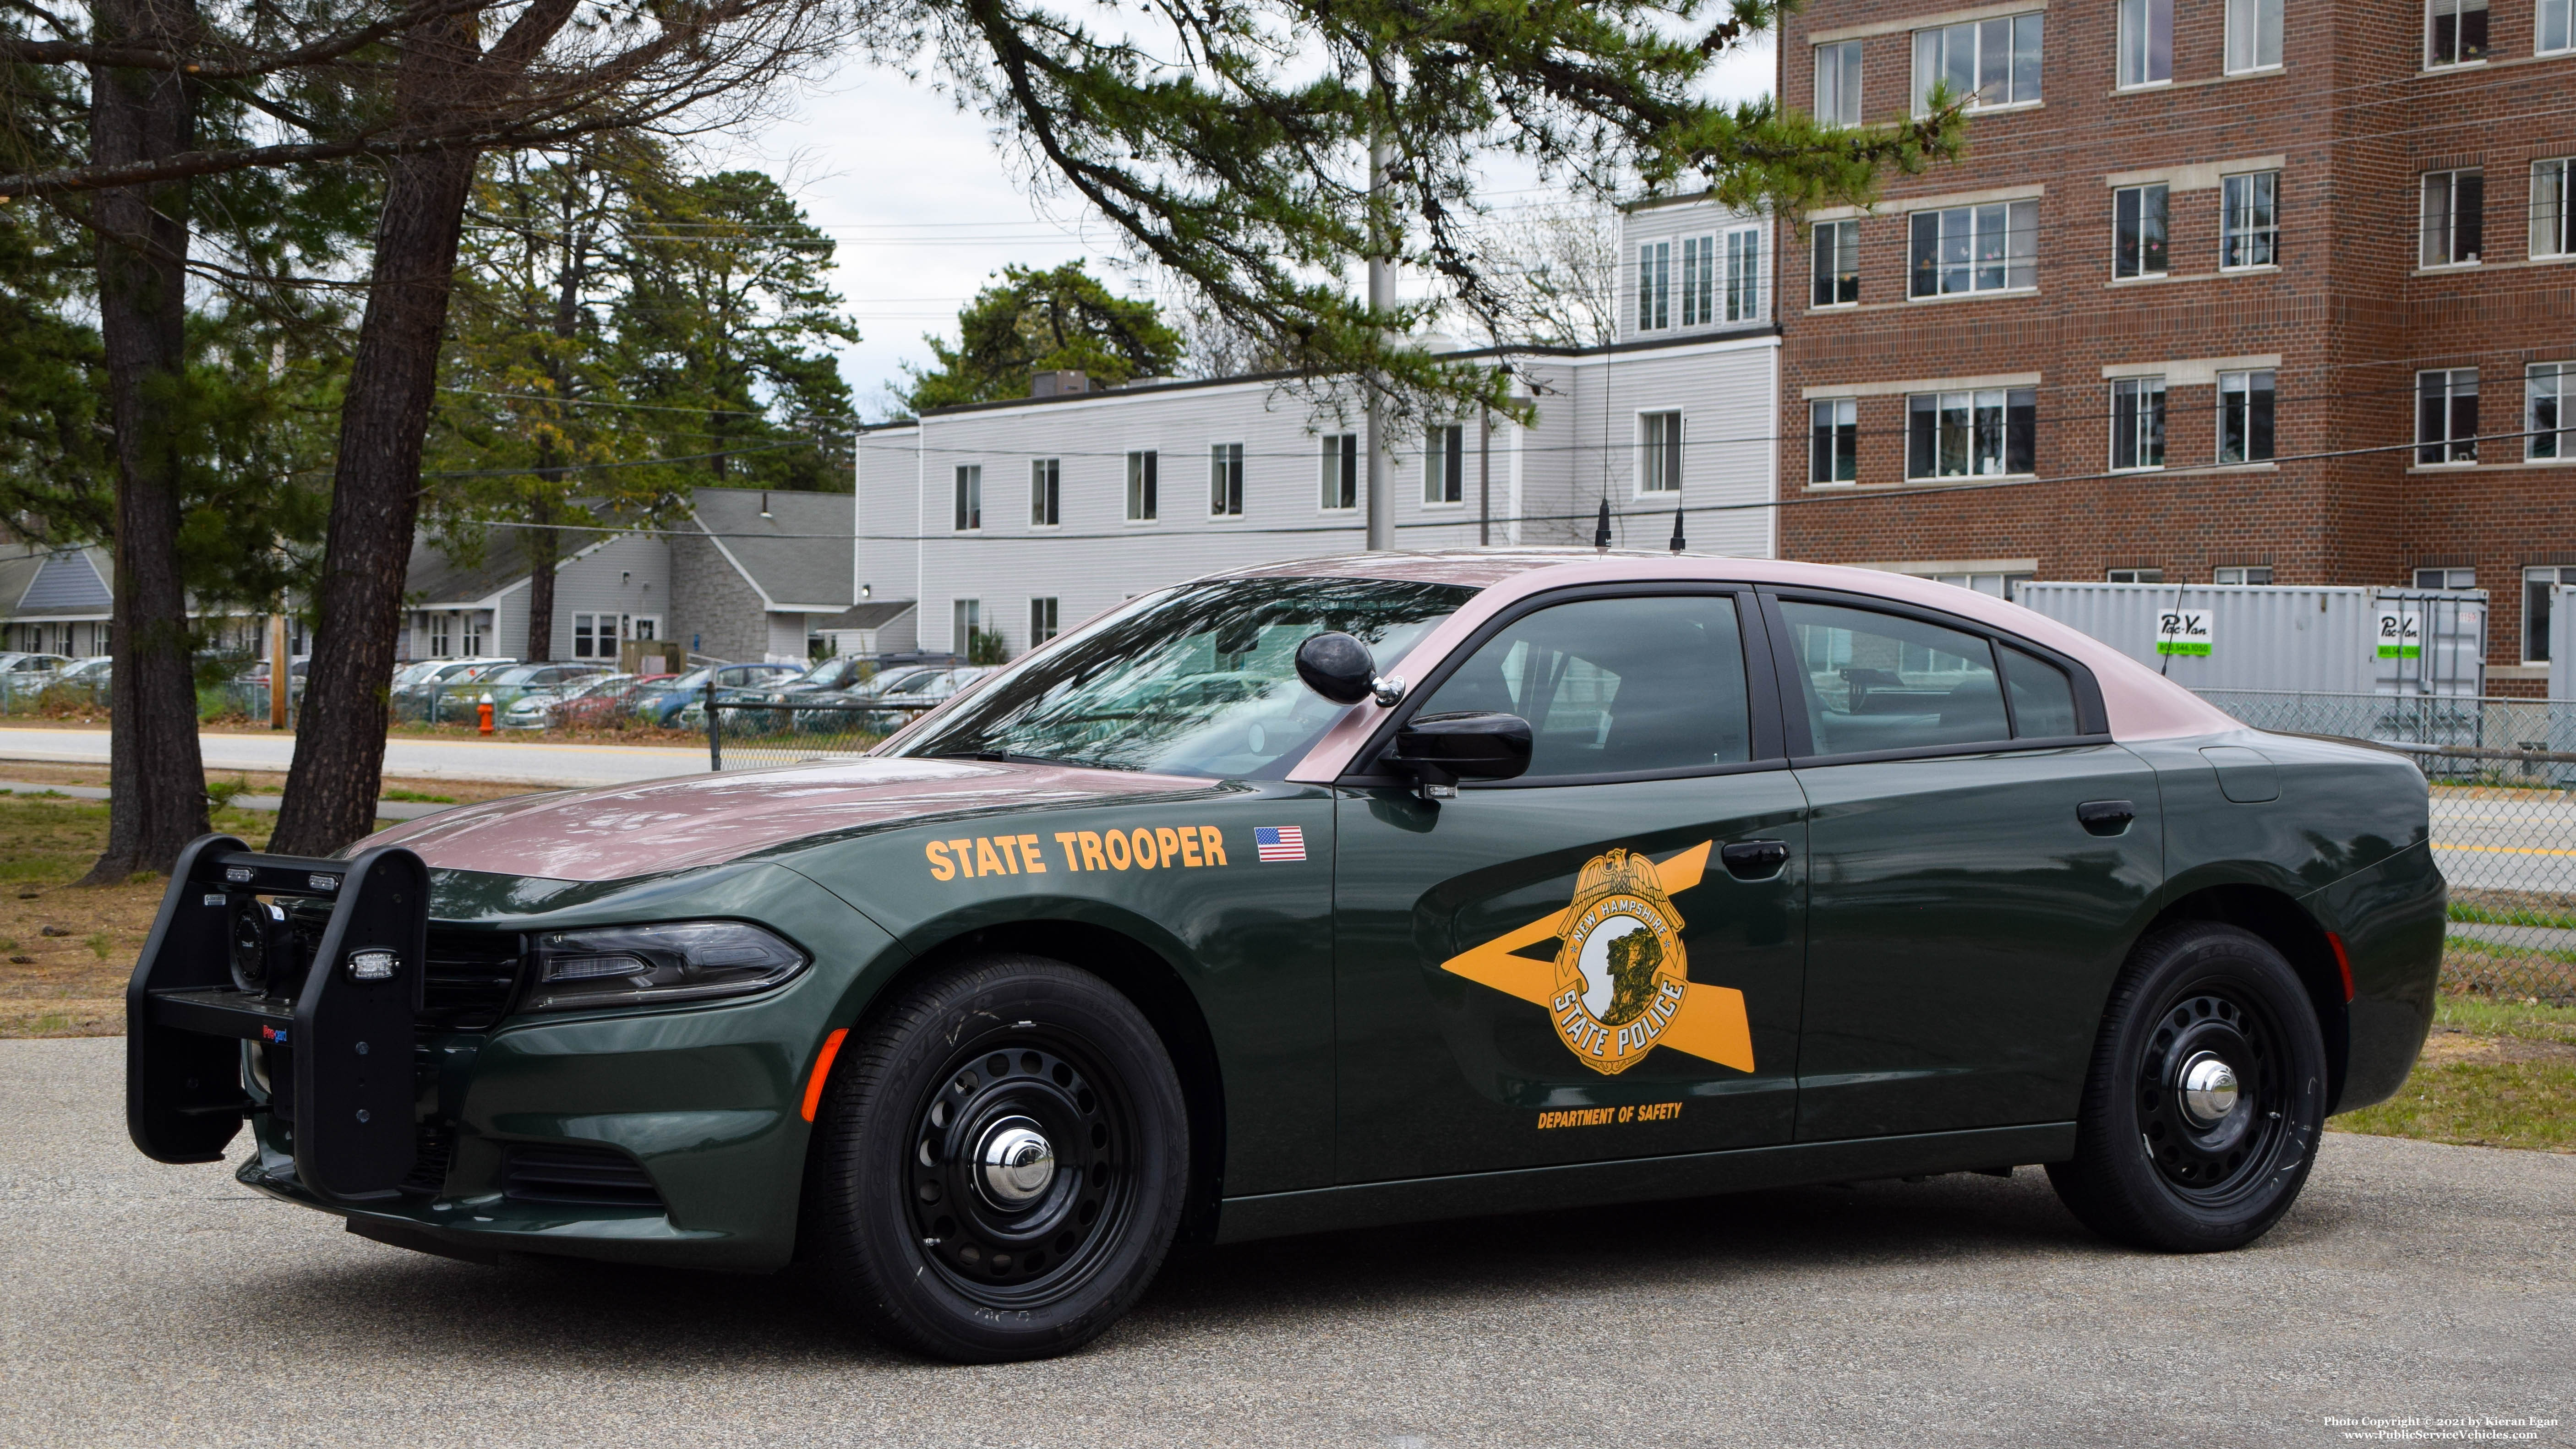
{"x": 1964, "y": 921}
{"x": 1565, "y": 967}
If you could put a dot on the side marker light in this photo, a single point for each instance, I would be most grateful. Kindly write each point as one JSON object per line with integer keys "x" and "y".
{"x": 2343, "y": 963}
{"x": 822, "y": 1069}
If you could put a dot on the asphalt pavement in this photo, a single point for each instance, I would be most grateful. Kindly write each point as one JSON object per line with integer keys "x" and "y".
{"x": 501, "y": 760}
{"x": 147, "y": 1304}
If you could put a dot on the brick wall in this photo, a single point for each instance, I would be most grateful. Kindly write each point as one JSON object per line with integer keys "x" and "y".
{"x": 2356, "y": 120}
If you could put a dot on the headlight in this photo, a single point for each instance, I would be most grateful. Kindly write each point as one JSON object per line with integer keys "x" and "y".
{"x": 675, "y": 961}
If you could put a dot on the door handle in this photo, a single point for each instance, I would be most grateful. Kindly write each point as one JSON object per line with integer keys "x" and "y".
{"x": 1755, "y": 859}
{"x": 2105, "y": 817}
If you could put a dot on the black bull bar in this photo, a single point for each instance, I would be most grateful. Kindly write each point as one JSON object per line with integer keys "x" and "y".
{"x": 222, "y": 967}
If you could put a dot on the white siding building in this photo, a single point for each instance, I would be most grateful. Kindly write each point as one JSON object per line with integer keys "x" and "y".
{"x": 1025, "y": 517}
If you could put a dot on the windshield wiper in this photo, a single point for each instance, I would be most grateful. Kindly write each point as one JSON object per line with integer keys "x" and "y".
{"x": 1004, "y": 757}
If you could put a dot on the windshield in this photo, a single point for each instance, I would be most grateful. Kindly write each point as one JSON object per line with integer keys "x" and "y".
{"x": 694, "y": 679}
{"x": 1198, "y": 680}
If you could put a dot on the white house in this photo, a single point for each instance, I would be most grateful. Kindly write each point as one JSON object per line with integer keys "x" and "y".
{"x": 1025, "y": 516}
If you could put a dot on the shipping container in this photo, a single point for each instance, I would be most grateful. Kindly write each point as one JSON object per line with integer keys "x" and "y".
{"x": 2284, "y": 638}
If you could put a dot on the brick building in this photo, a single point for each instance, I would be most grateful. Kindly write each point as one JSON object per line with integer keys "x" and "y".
{"x": 2193, "y": 244}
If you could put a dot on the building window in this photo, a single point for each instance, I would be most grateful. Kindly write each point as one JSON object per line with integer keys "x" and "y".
{"x": 1341, "y": 470}
{"x": 2446, "y": 416}
{"x": 1046, "y": 477}
{"x": 1989, "y": 248}
{"x": 1143, "y": 484}
{"x": 644, "y": 627}
{"x": 1744, "y": 274}
{"x": 1986, "y": 433}
{"x": 1659, "y": 452}
{"x": 1042, "y": 621}
{"x": 2553, "y": 209}
{"x": 1444, "y": 465}
{"x": 1225, "y": 480}
{"x": 2246, "y": 574}
{"x": 2549, "y": 424}
{"x": 966, "y": 620}
{"x": 594, "y": 636}
{"x": 1838, "y": 83}
{"x": 1833, "y": 440}
{"x": 442, "y": 636}
{"x": 2455, "y": 32}
{"x": 2454, "y": 217}
{"x": 2557, "y": 27}
{"x": 2253, "y": 35}
{"x": 2138, "y": 231}
{"x": 970, "y": 497}
{"x": 2446, "y": 578}
{"x": 2138, "y": 422}
{"x": 1837, "y": 253}
{"x": 2146, "y": 42}
{"x": 2245, "y": 417}
{"x": 1654, "y": 286}
{"x": 1985, "y": 62}
{"x": 1699, "y": 280}
{"x": 2133, "y": 576}
{"x": 2539, "y": 598}
{"x": 2249, "y": 223}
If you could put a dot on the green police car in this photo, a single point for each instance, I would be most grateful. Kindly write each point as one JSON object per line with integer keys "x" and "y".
{"x": 1329, "y": 895}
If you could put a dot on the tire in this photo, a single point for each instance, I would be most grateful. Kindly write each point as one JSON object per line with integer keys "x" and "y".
{"x": 935, "y": 1250}
{"x": 2214, "y": 1174}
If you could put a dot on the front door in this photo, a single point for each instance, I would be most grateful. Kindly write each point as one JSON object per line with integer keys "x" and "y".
{"x": 1601, "y": 959}
{"x": 1965, "y": 921}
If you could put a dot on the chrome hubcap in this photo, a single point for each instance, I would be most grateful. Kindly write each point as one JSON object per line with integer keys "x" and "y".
{"x": 2208, "y": 1089}
{"x": 1016, "y": 1163}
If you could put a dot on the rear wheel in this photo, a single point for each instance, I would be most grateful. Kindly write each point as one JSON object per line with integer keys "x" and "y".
{"x": 2206, "y": 1098}
{"x": 1001, "y": 1166}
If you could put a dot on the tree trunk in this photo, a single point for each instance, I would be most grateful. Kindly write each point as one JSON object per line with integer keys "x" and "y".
{"x": 156, "y": 776}
{"x": 543, "y": 546}
{"x": 375, "y": 489}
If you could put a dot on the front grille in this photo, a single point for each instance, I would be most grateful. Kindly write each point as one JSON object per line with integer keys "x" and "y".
{"x": 589, "y": 1176}
{"x": 470, "y": 979}
{"x": 433, "y": 1147}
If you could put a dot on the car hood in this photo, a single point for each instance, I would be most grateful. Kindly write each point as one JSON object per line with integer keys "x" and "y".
{"x": 620, "y": 831}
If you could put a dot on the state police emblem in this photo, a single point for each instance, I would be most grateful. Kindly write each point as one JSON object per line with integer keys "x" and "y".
{"x": 1619, "y": 985}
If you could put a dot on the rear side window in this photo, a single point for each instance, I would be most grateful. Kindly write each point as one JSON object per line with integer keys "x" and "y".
{"x": 1616, "y": 686}
{"x": 2043, "y": 698}
{"x": 1876, "y": 681}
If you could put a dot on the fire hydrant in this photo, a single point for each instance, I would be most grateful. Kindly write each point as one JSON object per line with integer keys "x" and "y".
{"x": 484, "y": 711}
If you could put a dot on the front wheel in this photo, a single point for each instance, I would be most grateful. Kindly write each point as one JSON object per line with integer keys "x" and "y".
{"x": 1001, "y": 1165}
{"x": 2206, "y": 1099}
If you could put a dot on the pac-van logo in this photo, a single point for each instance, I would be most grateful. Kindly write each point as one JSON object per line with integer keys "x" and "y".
{"x": 1619, "y": 985}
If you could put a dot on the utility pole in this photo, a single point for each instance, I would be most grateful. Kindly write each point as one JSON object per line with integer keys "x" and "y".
{"x": 1381, "y": 296}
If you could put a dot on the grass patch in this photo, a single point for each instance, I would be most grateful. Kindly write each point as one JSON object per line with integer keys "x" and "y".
{"x": 222, "y": 793}
{"x": 2529, "y": 1104}
{"x": 2485, "y": 1016}
{"x": 2484, "y": 915}
{"x": 417, "y": 797}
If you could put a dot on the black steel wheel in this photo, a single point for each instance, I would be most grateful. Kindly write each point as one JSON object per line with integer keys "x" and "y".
{"x": 1001, "y": 1167}
{"x": 2206, "y": 1098}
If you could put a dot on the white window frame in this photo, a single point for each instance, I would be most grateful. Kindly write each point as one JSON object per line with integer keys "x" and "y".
{"x": 644, "y": 627}
{"x": 2163, "y": 195}
{"x": 1444, "y": 465}
{"x": 1699, "y": 280}
{"x": 2249, "y": 194}
{"x": 967, "y": 512}
{"x": 2253, "y": 36}
{"x": 2456, "y": 9}
{"x": 1654, "y": 286}
{"x": 1225, "y": 480}
{"x": 1835, "y": 422}
{"x": 2554, "y": 20}
{"x": 1837, "y": 94}
{"x": 438, "y": 629}
{"x": 2444, "y": 222}
{"x": 1045, "y": 619}
{"x": 1743, "y": 277}
{"x": 1144, "y": 485}
{"x": 2553, "y": 206}
{"x": 2139, "y": 405}
{"x": 2017, "y": 222}
{"x": 2445, "y": 578}
{"x": 1659, "y": 464}
{"x": 1836, "y": 238}
{"x": 2535, "y": 608}
{"x": 1972, "y": 403}
{"x": 2241, "y": 574}
{"x": 2241, "y": 385}
{"x": 2453, "y": 452}
{"x": 1344, "y": 472}
{"x": 965, "y": 621}
{"x": 2135, "y": 33}
{"x": 1046, "y": 492}
{"x": 2549, "y": 412}
{"x": 1932, "y": 46}
{"x": 2133, "y": 576}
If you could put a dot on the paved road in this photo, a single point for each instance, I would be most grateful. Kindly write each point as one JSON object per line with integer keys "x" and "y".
{"x": 165, "y": 1305}
{"x": 501, "y": 760}
{"x": 2522, "y": 840}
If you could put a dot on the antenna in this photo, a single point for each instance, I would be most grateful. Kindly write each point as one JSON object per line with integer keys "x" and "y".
{"x": 1601, "y": 529}
{"x": 1679, "y": 543}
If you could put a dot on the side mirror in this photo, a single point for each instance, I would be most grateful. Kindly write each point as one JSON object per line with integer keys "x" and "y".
{"x": 1339, "y": 668}
{"x": 1442, "y": 749}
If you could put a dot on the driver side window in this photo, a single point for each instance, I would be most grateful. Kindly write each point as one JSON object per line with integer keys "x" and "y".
{"x": 1615, "y": 686}
{"x": 1875, "y": 681}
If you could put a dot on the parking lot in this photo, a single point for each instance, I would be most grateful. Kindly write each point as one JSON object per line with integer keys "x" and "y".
{"x": 166, "y": 1305}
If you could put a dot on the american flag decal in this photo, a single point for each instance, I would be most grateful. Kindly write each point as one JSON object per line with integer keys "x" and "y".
{"x": 1279, "y": 842}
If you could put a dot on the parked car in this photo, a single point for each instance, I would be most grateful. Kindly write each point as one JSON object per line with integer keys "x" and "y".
{"x": 733, "y": 681}
{"x": 546, "y": 707}
{"x": 841, "y": 671}
{"x": 503, "y": 687}
{"x": 1539, "y": 880}
{"x": 25, "y": 676}
{"x": 848, "y": 711}
{"x": 436, "y": 692}
{"x": 904, "y": 705}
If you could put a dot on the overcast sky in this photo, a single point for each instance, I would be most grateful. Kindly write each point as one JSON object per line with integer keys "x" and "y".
{"x": 924, "y": 211}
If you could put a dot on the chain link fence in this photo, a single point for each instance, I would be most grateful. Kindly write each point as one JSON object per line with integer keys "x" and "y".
{"x": 2503, "y": 775}
{"x": 748, "y": 735}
